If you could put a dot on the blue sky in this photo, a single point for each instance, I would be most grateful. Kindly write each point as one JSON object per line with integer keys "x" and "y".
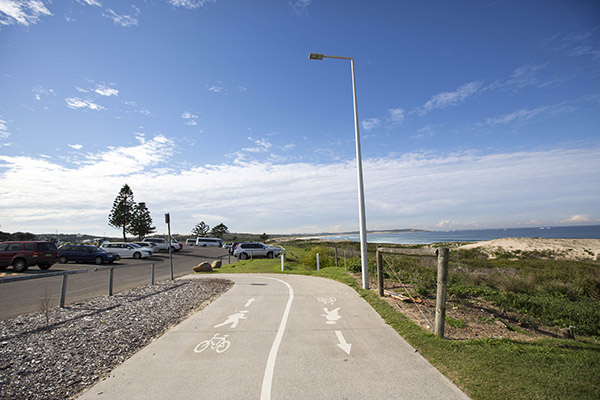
{"x": 473, "y": 114}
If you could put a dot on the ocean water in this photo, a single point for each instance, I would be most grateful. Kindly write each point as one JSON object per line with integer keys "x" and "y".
{"x": 475, "y": 235}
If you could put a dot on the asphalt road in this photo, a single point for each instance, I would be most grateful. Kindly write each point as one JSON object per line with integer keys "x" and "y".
{"x": 32, "y": 295}
{"x": 278, "y": 337}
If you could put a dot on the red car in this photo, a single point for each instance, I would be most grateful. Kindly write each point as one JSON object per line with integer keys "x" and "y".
{"x": 22, "y": 255}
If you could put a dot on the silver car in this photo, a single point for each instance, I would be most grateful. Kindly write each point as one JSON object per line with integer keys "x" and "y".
{"x": 126, "y": 250}
{"x": 246, "y": 250}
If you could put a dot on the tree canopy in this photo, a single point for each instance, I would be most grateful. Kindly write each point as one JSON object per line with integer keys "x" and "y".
{"x": 201, "y": 229}
{"x": 130, "y": 217}
{"x": 219, "y": 231}
{"x": 141, "y": 222}
{"x": 122, "y": 211}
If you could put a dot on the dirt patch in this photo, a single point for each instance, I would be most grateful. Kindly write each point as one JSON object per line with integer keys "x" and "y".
{"x": 473, "y": 319}
{"x": 467, "y": 318}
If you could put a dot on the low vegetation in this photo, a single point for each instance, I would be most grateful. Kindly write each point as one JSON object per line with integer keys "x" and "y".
{"x": 555, "y": 292}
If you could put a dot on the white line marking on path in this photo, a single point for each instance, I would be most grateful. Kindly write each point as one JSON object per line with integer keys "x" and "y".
{"x": 265, "y": 393}
{"x": 342, "y": 344}
{"x": 252, "y": 300}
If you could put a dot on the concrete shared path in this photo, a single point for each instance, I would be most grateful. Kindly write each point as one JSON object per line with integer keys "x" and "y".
{"x": 279, "y": 337}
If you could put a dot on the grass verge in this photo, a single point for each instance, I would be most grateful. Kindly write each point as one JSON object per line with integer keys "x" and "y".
{"x": 486, "y": 368}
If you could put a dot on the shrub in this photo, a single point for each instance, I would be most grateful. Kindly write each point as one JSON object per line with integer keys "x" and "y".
{"x": 326, "y": 257}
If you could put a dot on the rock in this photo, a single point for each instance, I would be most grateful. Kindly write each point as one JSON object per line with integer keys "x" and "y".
{"x": 216, "y": 264}
{"x": 203, "y": 267}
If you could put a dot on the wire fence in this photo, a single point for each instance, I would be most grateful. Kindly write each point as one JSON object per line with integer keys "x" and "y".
{"x": 406, "y": 274}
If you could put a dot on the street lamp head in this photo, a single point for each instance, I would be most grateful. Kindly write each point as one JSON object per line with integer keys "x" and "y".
{"x": 315, "y": 56}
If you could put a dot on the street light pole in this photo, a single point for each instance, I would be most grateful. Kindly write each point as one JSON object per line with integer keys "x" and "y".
{"x": 361, "y": 190}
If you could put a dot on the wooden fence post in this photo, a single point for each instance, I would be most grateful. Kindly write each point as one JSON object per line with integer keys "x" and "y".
{"x": 442, "y": 281}
{"x": 380, "y": 272}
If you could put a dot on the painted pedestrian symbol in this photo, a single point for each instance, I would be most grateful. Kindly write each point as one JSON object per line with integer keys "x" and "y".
{"x": 218, "y": 343}
{"x": 233, "y": 319}
{"x": 332, "y": 316}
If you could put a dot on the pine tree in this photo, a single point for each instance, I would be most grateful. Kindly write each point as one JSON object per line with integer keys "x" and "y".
{"x": 122, "y": 211}
{"x": 219, "y": 231}
{"x": 201, "y": 229}
{"x": 141, "y": 223}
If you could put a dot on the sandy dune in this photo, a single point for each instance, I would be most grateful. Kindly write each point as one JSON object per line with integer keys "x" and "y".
{"x": 560, "y": 248}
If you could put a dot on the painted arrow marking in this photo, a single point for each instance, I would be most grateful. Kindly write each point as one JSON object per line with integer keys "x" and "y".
{"x": 252, "y": 300}
{"x": 342, "y": 344}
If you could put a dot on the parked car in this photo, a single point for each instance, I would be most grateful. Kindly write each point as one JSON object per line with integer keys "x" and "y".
{"x": 85, "y": 253}
{"x": 153, "y": 247}
{"x": 233, "y": 246}
{"x": 190, "y": 242}
{"x": 127, "y": 250}
{"x": 206, "y": 241}
{"x": 23, "y": 254}
{"x": 252, "y": 249}
{"x": 176, "y": 245}
{"x": 164, "y": 245}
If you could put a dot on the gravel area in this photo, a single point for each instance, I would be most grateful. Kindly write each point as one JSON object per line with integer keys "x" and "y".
{"x": 57, "y": 353}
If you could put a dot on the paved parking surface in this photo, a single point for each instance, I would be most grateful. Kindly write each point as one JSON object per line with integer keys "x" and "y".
{"x": 30, "y": 296}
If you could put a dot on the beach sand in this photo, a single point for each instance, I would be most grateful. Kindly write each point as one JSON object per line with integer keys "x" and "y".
{"x": 570, "y": 249}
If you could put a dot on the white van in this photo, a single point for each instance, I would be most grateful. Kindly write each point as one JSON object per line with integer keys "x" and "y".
{"x": 204, "y": 242}
{"x": 190, "y": 242}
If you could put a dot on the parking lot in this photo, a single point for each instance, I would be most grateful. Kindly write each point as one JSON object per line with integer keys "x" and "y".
{"x": 38, "y": 294}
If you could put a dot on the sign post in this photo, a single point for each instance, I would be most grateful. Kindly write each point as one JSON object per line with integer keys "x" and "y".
{"x": 168, "y": 222}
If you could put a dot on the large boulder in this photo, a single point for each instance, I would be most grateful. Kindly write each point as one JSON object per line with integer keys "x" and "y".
{"x": 203, "y": 267}
{"x": 216, "y": 264}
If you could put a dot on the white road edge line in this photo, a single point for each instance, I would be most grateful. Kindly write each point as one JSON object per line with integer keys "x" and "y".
{"x": 265, "y": 393}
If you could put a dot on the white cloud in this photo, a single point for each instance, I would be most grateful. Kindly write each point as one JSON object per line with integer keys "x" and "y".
{"x": 4, "y": 133}
{"x": 123, "y": 20}
{"x": 299, "y": 6}
{"x": 188, "y": 115}
{"x": 530, "y": 114}
{"x": 24, "y": 12}
{"x": 90, "y": 2}
{"x": 190, "y": 118}
{"x": 103, "y": 90}
{"x": 521, "y": 77}
{"x": 217, "y": 89}
{"x": 261, "y": 145}
{"x": 191, "y": 4}
{"x": 142, "y": 111}
{"x": 370, "y": 124}
{"x": 396, "y": 115}
{"x": 40, "y": 91}
{"x": 442, "y": 224}
{"x": 579, "y": 219}
{"x": 74, "y": 102}
{"x": 413, "y": 190}
{"x": 448, "y": 99}
{"x": 75, "y": 146}
{"x": 426, "y": 131}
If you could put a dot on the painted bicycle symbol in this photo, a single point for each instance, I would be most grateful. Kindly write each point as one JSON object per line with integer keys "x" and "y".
{"x": 328, "y": 300}
{"x": 218, "y": 343}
